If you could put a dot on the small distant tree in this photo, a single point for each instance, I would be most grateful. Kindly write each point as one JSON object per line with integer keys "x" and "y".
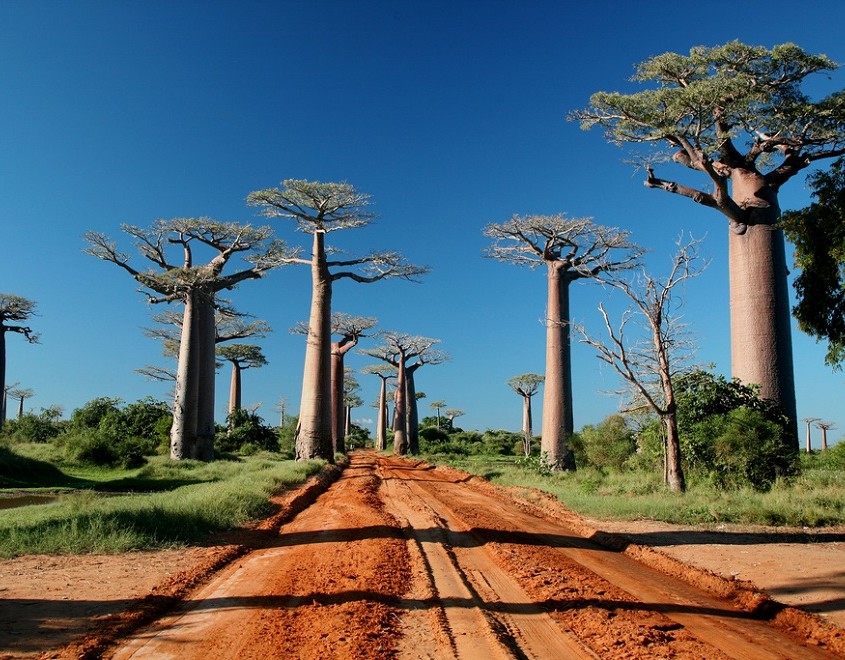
{"x": 385, "y": 372}
{"x": 21, "y": 394}
{"x": 281, "y": 408}
{"x": 319, "y": 208}
{"x": 526, "y": 386}
{"x": 571, "y": 249}
{"x": 437, "y": 406}
{"x": 825, "y": 427}
{"x": 13, "y": 310}
{"x": 349, "y": 329}
{"x": 650, "y": 366}
{"x": 808, "y": 421}
{"x": 241, "y": 357}
{"x": 407, "y": 353}
{"x": 451, "y": 415}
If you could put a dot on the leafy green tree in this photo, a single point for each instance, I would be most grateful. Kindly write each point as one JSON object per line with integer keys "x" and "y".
{"x": 246, "y": 431}
{"x": 818, "y": 233}
{"x": 318, "y": 209}
{"x": 13, "y": 310}
{"x": 571, "y": 249}
{"x": 736, "y": 115}
{"x": 609, "y": 444}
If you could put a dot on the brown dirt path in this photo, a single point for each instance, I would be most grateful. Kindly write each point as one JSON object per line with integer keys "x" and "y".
{"x": 401, "y": 560}
{"x": 397, "y": 559}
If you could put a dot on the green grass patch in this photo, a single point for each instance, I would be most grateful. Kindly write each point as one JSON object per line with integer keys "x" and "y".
{"x": 195, "y": 499}
{"x": 814, "y": 498}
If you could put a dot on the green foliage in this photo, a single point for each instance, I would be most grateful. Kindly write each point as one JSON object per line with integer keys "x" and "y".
{"x": 818, "y": 233}
{"x": 608, "y": 445}
{"x": 218, "y": 496}
{"x": 90, "y": 414}
{"x": 246, "y": 428}
{"x": 738, "y": 449}
{"x": 33, "y": 428}
{"x": 815, "y": 497}
{"x": 358, "y": 437}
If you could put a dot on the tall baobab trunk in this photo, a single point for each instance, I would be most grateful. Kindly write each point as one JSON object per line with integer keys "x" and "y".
{"x": 183, "y": 432}
{"x": 412, "y": 412}
{"x": 314, "y": 429}
{"x": 557, "y": 393}
{"x": 527, "y": 425}
{"x": 337, "y": 377}
{"x": 235, "y": 389}
{"x": 400, "y": 439}
{"x": 761, "y": 339}
{"x": 381, "y": 424}
{"x": 207, "y": 362}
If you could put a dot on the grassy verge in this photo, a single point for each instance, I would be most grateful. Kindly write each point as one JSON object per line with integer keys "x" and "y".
{"x": 193, "y": 499}
{"x": 815, "y": 498}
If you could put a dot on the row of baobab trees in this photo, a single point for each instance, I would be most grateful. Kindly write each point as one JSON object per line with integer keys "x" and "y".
{"x": 734, "y": 115}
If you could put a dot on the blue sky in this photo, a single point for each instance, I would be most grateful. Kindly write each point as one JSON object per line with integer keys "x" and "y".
{"x": 450, "y": 114}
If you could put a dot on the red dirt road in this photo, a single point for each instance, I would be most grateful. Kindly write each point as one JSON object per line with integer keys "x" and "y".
{"x": 401, "y": 560}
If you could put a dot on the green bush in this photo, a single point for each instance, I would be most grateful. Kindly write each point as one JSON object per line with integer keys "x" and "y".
{"x": 33, "y": 428}
{"x": 246, "y": 427}
{"x": 739, "y": 449}
{"x": 609, "y": 444}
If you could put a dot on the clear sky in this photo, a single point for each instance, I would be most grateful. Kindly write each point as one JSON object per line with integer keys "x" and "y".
{"x": 451, "y": 114}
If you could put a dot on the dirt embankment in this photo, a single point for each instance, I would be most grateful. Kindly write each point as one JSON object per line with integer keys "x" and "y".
{"x": 398, "y": 559}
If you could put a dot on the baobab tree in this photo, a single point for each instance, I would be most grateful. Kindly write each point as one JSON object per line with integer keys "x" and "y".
{"x": 407, "y": 353}
{"x": 319, "y": 208}
{"x": 385, "y": 372}
{"x": 195, "y": 287}
{"x": 808, "y": 421}
{"x": 736, "y": 115}
{"x": 451, "y": 415}
{"x": 13, "y": 310}
{"x": 281, "y": 407}
{"x": 241, "y": 357}
{"x": 649, "y": 366}
{"x": 350, "y": 329}
{"x": 21, "y": 394}
{"x": 571, "y": 249}
{"x": 825, "y": 427}
{"x": 437, "y": 406}
{"x": 526, "y": 385}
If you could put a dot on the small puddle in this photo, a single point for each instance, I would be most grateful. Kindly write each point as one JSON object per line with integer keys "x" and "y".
{"x": 14, "y": 501}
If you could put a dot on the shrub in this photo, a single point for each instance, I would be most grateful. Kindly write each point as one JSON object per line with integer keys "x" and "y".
{"x": 33, "y": 428}
{"x": 246, "y": 427}
{"x": 739, "y": 449}
{"x": 609, "y": 444}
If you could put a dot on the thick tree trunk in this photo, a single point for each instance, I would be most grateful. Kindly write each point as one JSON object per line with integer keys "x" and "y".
{"x": 235, "y": 389}
{"x": 527, "y": 425}
{"x": 183, "y": 432}
{"x": 673, "y": 474}
{"x": 2, "y": 375}
{"x": 400, "y": 441}
{"x": 337, "y": 376}
{"x": 761, "y": 339}
{"x": 207, "y": 363}
{"x": 413, "y": 425}
{"x": 557, "y": 392}
{"x": 381, "y": 424}
{"x": 314, "y": 429}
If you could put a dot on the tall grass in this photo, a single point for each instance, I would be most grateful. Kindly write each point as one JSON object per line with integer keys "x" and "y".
{"x": 814, "y": 498}
{"x": 216, "y": 496}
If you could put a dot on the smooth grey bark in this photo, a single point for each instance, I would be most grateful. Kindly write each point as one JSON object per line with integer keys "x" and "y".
{"x": 183, "y": 431}
{"x": 206, "y": 368}
{"x": 313, "y": 436}
{"x": 558, "y": 423}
